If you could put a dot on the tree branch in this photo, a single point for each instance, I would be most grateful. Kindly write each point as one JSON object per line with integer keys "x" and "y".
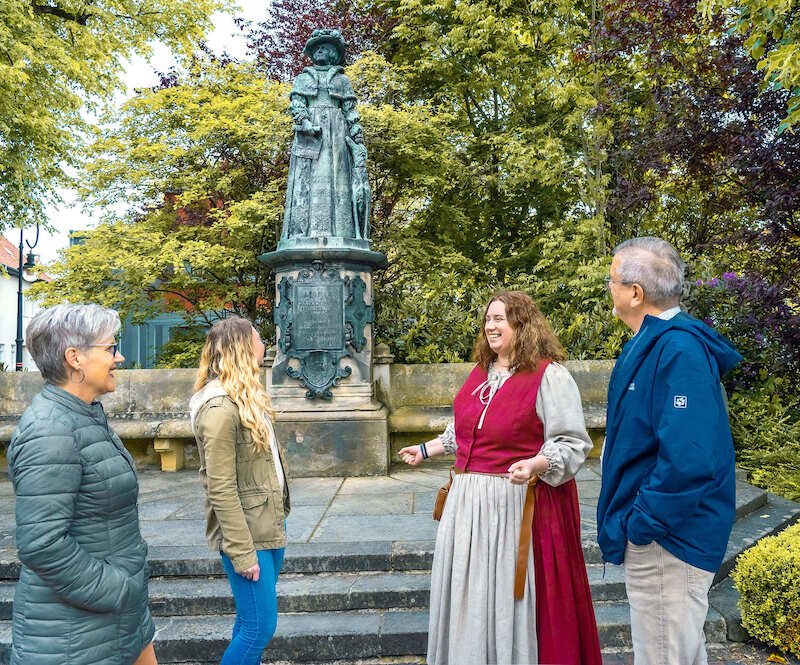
{"x": 183, "y": 296}
{"x": 57, "y": 11}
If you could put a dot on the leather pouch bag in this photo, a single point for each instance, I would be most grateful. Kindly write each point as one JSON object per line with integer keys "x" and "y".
{"x": 441, "y": 497}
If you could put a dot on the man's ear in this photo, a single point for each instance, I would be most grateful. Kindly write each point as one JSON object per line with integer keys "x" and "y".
{"x": 637, "y": 299}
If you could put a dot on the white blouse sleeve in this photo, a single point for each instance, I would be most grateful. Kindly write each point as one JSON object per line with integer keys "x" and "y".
{"x": 566, "y": 441}
{"x": 448, "y": 439}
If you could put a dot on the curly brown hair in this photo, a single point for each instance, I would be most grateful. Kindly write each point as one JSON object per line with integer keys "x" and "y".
{"x": 534, "y": 339}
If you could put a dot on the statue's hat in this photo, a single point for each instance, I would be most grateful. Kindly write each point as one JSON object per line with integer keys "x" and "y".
{"x": 326, "y": 36}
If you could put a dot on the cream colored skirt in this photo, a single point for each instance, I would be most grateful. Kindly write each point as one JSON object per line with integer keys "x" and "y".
{"x": 474, "y": 619}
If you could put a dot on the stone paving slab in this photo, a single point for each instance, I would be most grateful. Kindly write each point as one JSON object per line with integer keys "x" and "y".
{"x": 314, "y": 491}
{"x": 394, "y": 508}
{"x": 394, "y": 503}
{"x": 345, "y": 528}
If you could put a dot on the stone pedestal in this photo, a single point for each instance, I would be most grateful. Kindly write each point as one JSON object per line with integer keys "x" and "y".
{"x": 320, "y": 378}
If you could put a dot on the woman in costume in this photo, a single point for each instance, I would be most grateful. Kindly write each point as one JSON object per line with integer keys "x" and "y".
{"x": 243, "y": 470}
{"x": 503, "y": 591}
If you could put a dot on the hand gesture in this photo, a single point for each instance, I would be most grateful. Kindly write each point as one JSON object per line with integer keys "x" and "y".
{"x": 522, "y": 472}
{"x": 251, "y": 573}
{"x": 411, "y": 455}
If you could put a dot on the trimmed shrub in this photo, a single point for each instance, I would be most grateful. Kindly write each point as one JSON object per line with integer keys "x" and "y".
{"x": 766, "y": 433}
{"x": 767, "y": 577}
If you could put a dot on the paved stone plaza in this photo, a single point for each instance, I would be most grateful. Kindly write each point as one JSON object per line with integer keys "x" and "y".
{"x": 368, "y": 518}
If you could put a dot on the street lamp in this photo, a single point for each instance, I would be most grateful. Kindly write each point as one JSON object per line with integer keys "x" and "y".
{"x": 29, "y": 264}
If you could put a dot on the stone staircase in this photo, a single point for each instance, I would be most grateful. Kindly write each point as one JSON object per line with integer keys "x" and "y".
{"x": 367, "y": 601}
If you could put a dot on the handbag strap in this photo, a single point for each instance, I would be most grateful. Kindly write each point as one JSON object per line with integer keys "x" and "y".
{"x": 449, "y": 482}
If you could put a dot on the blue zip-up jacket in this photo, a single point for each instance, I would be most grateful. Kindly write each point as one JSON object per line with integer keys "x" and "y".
{"x": 668, "y": 460}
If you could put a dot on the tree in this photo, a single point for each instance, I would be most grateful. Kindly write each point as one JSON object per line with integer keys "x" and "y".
{"x": 772, "y": 28}
{"x": 201, "y": 167}
{"x": 696, "y": 149}
{"x": 60, "y": 60}
{"x": 503, "y": 72}
{"x": 198, "y": 167}
{"x": 276, "y": 44}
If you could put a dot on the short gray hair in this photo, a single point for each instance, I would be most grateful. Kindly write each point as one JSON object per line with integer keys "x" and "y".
{"x": 655, "y": 265}
{"x": 53, "y": 330}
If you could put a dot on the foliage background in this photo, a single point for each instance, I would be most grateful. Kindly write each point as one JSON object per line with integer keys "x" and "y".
{"x": 512, "y": 144}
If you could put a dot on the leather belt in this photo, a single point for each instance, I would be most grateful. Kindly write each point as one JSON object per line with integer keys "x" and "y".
{"x": 521, "y": 570}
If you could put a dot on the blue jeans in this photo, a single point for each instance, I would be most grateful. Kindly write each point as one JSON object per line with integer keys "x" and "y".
{"x": 256, "y": 609}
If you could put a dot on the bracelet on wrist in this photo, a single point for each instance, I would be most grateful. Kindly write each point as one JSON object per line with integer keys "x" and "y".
{"x": 424, "y": 450}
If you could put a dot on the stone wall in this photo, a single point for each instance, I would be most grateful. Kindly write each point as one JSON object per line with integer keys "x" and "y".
{"x": 149, "y": 409}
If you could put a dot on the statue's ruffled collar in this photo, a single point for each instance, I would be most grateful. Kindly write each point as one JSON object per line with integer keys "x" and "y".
{"x": 324, "y": 68}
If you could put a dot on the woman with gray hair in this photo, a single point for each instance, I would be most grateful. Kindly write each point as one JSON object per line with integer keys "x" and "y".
{"x": 82, "y": 591}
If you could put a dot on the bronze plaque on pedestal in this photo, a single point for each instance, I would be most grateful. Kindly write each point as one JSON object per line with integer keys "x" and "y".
{"x": 318, "y": 317}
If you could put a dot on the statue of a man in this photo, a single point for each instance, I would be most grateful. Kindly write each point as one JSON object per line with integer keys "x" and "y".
{"x": 325, "y": 191}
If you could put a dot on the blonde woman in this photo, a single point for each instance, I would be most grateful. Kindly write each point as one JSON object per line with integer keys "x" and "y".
{"x": 243, "y": 470}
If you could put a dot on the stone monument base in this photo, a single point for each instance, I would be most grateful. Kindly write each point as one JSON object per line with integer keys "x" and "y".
{"x": 348, "y": 442}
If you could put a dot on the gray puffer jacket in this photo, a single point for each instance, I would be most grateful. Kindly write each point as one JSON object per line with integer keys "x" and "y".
{"x": 81, "y": 598}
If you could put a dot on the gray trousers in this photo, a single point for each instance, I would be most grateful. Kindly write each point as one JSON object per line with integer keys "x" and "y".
{"x": 669, "y": 602}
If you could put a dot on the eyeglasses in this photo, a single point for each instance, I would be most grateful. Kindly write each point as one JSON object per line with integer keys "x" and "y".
{"x": 111, "y": 348}
{"x": 608, "y": 282}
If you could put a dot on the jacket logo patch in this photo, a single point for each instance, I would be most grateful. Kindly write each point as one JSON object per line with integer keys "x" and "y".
{"x": 632, "y": 385}
{"x": 680, "y": 401}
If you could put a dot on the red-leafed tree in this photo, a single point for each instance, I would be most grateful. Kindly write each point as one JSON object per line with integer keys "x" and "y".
{"x": 277, "y": 43}
{"x": 695, "y": 140}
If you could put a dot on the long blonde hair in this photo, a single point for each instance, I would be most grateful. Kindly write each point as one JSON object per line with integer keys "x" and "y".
{"x": 228, "y": 356}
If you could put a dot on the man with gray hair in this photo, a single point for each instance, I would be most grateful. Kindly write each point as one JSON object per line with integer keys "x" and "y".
{"x": 667, "y": 500}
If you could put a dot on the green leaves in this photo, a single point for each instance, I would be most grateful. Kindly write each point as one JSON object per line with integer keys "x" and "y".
{"x": 199, "y": 171}
{"x": 60, "y": 60}
{"x": 772, "y": 28}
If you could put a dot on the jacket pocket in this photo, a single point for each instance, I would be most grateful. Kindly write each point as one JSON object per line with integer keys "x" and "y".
{"x": 252, "y": 501}
{"x": 261, "y": 514}
{"x": 252, "y": 467}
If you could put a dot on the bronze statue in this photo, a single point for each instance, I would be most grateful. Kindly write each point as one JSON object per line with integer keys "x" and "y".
{"x": 328, "y": 192}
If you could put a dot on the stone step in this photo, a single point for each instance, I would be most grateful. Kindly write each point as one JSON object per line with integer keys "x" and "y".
{"x": 748, "y": 498}
{"x": 766, "y": 519}
{"x": 297, "y": 593}
{"x": 364, "y": 556}
{"x": 339, "y": 557}
{"x": 333, "y": 557}
{"x": 318, "y": 593}
{"x": 342, "y": 636}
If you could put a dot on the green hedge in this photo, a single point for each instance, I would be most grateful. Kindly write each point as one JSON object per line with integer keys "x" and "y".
{"x": 767, "y": 577}
{"x": 766, "y": 432}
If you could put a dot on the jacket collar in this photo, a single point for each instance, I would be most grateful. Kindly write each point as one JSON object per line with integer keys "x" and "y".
{"x": 74, "y": 404}
{"x": 632, "y": 356}
{"x": 209, "y": 391}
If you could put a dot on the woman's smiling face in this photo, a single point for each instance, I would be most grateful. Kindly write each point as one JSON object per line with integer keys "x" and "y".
{"x": 98, "y": 363}
{"x": 499, "y": 333}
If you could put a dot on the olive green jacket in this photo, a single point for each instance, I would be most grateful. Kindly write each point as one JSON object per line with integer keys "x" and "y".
{"x": 245, "y": 506}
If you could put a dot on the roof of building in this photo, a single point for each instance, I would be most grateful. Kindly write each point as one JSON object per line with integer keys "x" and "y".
{"x": 9, "y": 257}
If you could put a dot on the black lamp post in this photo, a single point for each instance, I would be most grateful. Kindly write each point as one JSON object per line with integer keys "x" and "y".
{"x": 28, "y": 265}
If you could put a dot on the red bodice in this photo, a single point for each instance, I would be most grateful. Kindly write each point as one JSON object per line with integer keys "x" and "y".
{"x": 510, "y": 431}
